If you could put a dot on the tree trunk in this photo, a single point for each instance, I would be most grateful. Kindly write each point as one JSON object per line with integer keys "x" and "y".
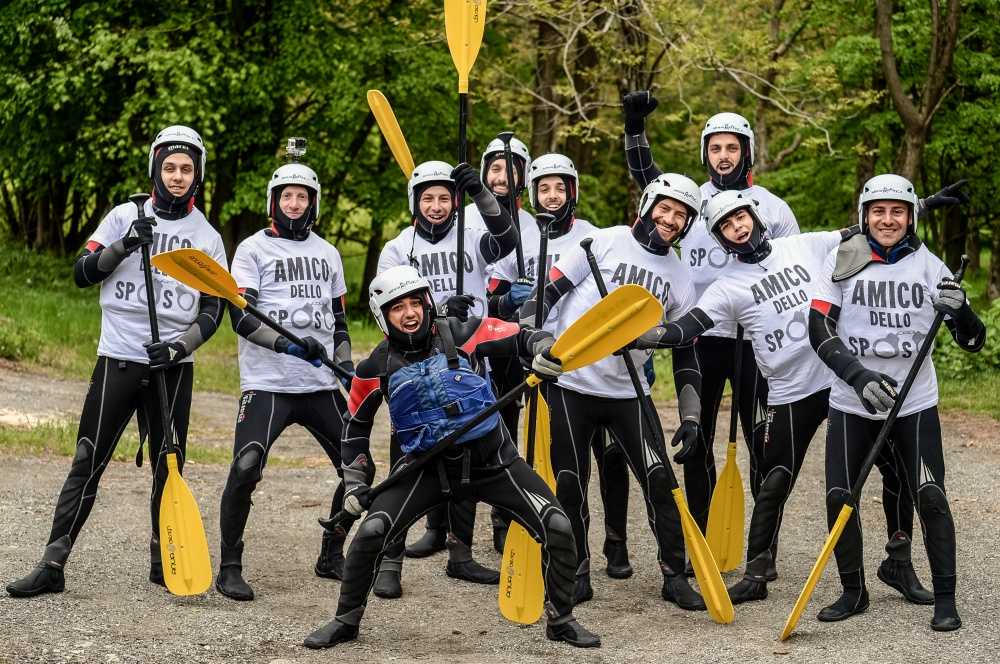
{"x": 974, "y": 247}
{"x": 993, "y": 285}
{"x": 543, "y": 118}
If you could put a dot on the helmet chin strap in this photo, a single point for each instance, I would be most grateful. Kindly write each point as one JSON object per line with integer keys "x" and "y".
{"x": 737, "y": 179}
{"x": 294, "y": 229}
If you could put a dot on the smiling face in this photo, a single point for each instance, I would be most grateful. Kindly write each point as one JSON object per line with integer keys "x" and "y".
{"x": 551, "y": 192}
{"x": 406, "y": 314}
{"x": 888, "y": 221}
{"x": 436, "y": 203}
{"x": 736, "y": 228}
{"x": 496, "y": 177}
{"x": 670, "y": 217}
{"x": 177, "y": 173}
{"x": 724, "y": 152}
{"x": 294, "y": 201}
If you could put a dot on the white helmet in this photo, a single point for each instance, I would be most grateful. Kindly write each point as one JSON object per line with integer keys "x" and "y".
{"x": 517, "y": 149}
{"x": 671, "y": 185}
{"x": 296, "y": 174}
{"x": 724, "y": 204}
{"x": 887, "y": 187}
{"x": 392, "y": 284}
{"x": 551, "y": 164}
{"x": 726, "y": 123}
{"x": 424, "y": 173}
{"x": 178, "y": 134}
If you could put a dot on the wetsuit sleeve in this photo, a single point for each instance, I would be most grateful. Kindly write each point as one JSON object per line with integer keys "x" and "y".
{"x": 491, "y": 337}
{"x": 639, "y": 159}
{"x": 558, "y": 284}
{"x": 676, "y": 333}
{"x": 341, "y": 337}
{"x": 250, "y": 328}
{"x": 498, "y": 300}
{"x": 500, "y": 239}
{"x": 96, "y": 262}
{"x": 355, "y": 444}
{"x": 687, "y": 382}
{"x": 210, "y": 312}
{"x": 832, "y": 350}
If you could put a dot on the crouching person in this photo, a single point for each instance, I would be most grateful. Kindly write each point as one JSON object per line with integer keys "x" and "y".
{"x": 429, "y": 370}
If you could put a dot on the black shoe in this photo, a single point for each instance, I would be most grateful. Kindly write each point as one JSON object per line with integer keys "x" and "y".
{"x": 432, "y": 541}
{"x": 900, "y": 575}
{"x": 230, "y": 582}
{"x": 772, "y": 572}
{"x": 331, "y": 634}
{"x": 499, "y": 538}
{"x": 747, "y": 590}
{"x": 388, "y": 584}
{"x": 573, "y": 633}
{"x": 156, "y": 575}
{"x": 43, "y": 579}
{"x": 330, "y": 563}
{"x": 945, "y": 623}
{"x": 850, "y": 603}
{"x": 155, "y": 563}
{"x": 584, "y": 592}
{"x": 616, "y": 551}
{"x": 676, "y": 589}
{"x": 473, "y": 572}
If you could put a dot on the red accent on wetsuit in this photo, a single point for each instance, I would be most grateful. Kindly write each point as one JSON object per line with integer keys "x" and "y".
{"x": 360, "y": 389}
{"x": 555, "y": 274}
{"x": 93, "y": 246}
{"x": 494, "y": 282}
{"x": 490, "y": 329}
{"x": 821, "y": 306}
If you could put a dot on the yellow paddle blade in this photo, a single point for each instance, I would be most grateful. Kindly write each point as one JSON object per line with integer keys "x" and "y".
{"x": 817, "y": 571}
{"x": 522, "y": 590}
{"x": 393, "y": 135}
{"x": 613, "y": 322}
{"x": 725, "y": 516}
{"x": 713, "y": 590}
{"x": 464, "y": 22}
{"x": 198, "y": 270}
{"x": 187, "y": 569}
{"x": 543, "y": 443}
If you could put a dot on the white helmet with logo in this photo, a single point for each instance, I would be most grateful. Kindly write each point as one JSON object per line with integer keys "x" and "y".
{"x": 495, "y": 147}
{"x": 426, "y": 173}
{"x": 887, "y": 187}
{"x": 551, "y": 164}
{"x": 294, "y": 174}
{"x": 724, "y": 204}
{"x": 671, "y": 185}
{"x": 391, "y": 285}
{"x": 727, "y": 123}
{"x": 179, "y": 134}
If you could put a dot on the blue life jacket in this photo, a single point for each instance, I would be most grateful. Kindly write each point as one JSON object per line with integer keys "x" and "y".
{"x": 432, "y": 398}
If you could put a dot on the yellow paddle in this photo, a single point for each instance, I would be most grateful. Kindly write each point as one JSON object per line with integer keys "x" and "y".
{"x": 187, "y": 568}
{"x": 522, "y": 589}
{"x": 724, "y": 532}
{"x": 713, "y": 590}
{"x": 847, "y": 510}
{"x": 393, "y": 135}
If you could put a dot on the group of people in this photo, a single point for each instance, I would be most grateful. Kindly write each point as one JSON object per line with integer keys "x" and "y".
{"x": 807, "y": 326}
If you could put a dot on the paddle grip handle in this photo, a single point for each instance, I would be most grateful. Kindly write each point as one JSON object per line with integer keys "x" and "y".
{"x": 644, "y": 404}
{"x": 327, "y": 362}
{"x": 508, "y": 157}
{"x": 911, "y": 376}
{"x": 735, "y": 384}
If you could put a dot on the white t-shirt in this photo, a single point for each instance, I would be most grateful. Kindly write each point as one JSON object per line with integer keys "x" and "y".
{"x": 506, "y": 267}
{"x": 439, "y": 263}
{"x": 297, "y": 282}
{"x": 124, "y": 314}
{"x": 526, "y": 226}
{"x": 885, "y": 314}
{"x": 622, "y": 261}
{"x": 771, "y": 301}
{"x": 706, "y": 259}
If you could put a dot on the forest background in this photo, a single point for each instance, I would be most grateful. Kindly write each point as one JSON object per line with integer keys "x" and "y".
{"x": 836, "y": 90}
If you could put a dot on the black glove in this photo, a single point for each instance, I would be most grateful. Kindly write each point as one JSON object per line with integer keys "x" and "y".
{"x": 951, "y": 300}
{"x": 139, "y": 233}
{"x": 467, "y": 179}
{"x": 875, "y": 390}
{"x": 357, "y": 500}
{"x": 458, "y": 306}
{"x": 313, "y": 352}
{"x": 687, "y": 437}
{"x": 950, "y": 195}
{"x": 164, "y": 354}
{"x": 546, "y": 366}
{"x": 637, "y": 105}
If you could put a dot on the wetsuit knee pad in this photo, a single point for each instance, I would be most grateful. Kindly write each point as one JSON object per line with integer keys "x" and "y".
{"x": 659, "y": 487}
{"x": 247, "y": 467}
{"x": 371, "y": 534}
{"x": 777, "y": 482}
{"x": 84, "y": 452}
{"x": 558, "y": 523}
{"x": 932, "y": 501}
{"x": 836, "y": 499}
{"x": 569, "y": 490}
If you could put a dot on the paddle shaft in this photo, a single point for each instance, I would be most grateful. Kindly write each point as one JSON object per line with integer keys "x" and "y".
{"x": 911, "y": 376}
{"x": 540, "y": 274}
{"x": 512, "y": 200}
{"x": 644, "y": 404}
{"x": 463, "y": 120}
{"x": 154, "y": 331}
{"x": 735, "y": 384}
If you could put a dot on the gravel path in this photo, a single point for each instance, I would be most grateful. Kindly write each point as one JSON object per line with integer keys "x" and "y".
{"x": 110, "y": 613}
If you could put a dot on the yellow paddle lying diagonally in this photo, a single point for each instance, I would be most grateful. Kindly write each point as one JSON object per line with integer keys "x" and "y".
{"x": 393, "y": 135}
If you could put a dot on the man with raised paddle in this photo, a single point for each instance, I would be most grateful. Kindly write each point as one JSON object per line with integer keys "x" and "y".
{"x": 123, "y": 381}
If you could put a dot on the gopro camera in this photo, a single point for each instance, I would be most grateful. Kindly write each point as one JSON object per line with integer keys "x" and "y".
{"x": 295, "y": 148}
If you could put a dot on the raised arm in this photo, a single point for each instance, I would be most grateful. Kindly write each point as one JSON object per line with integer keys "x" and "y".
{"x": 639, "y": 158}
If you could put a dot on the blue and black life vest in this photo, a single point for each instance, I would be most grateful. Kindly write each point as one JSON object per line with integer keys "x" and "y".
{"x": 432, "y": 398}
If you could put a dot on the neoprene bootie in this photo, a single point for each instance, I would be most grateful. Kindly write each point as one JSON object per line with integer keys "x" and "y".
{"x": 772, "y": 567}
{"x": 946, "y": 618}
{"x": 676, "y": 589}
{"x": 583, "y": 592}
{"x": 432, "y": 541}
{"x": 388, "y": 581}
{"x": 230, "y": 581}
{"x": 499, "y": 531}
{"x": 897, "y": 571}
{"x": 852, "y": 601}
{"x": 568, "y": 630}
{"x": 155, "y": 562}
{"x": 463, "y": 567}
{"x": 47, "y": 577}
{"x": 753, "y": 585}
{"x": 331, "y": 634}
{"x": 616, "y": 551}
{"x": 330, "y": 564}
